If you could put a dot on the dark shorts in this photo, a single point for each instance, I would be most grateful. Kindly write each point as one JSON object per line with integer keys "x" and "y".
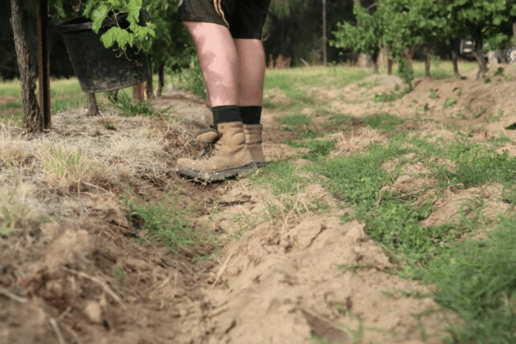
{"x": 244, "y": 18}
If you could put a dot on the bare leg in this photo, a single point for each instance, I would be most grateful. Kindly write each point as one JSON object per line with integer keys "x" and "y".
{"x": 251, "y": 71}
{"x": 218, "y": 60}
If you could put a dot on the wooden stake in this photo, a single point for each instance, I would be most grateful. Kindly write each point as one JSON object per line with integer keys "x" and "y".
{"x": 43, "y": 61}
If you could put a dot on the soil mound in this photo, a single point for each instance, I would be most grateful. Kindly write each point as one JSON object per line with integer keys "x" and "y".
{"x": 303, "y": 279}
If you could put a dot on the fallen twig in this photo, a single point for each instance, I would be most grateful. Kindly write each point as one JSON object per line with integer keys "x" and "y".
{"x": 106, "y": 288}
{"x": 12, "y": 296}
{"x": 59, "y": 335}
{"x": 221, "y": 270}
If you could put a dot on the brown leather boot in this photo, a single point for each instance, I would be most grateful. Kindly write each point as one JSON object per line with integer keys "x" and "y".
{"x": 231, "y": 157}
{"x": 253, "y": 141}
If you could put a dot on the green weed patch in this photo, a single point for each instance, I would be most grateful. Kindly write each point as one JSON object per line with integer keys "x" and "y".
{"x": 317, "y": 147}
{"x": 391, "y": 96}
{"x": 127, "y": 107}
{"x": 383, "y": 122}
{"x": 166, "y": 222}
{"x": 280, "y": 177}
{"x": 476, "y": 279}
{"x": 296, "y": 120}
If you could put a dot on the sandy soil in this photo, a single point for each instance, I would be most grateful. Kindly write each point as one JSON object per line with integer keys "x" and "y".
{"x": 286, "y": 279}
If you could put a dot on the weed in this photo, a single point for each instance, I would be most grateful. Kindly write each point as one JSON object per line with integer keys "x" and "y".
{"x": 317, "y": 147}
{"x": 108, "y": 126}
{"x": 245, "y": 222}
{"x": 165, "y": 221}
{"x": 11, "y": 105}
{"x": 192, "y": 80}
{"x": 384, "y": 122}
{"x": 449, "y": 102}
{"x": 64, "y": 105}
{"x": 119, "y": 274}
{"x": 499, "y": 71}
{"x": 68, "y": 164}
{"x": 296, "y": 120}
{"x": 7, "y": 221}
{"x": 433, "y": 94}
{"x": 480, "y": 112}
{"x": 339, "y": 120}
{"x": 280, "y": 177}
{"x": 127, "y": 107}
{"x": 487, "y": 80}
{"x": 354, "y": 267}
{"x": 392, "y": 96}
{"x": 316, "y": 339}
{"x": 477, "y": 280}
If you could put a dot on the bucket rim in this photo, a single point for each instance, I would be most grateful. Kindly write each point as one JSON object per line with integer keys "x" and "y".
{"x": 84, "y": 23}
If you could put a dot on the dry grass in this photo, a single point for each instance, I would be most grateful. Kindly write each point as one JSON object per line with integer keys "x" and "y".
{"x": 348, "y": 144}
{"x": 41, "y": 176}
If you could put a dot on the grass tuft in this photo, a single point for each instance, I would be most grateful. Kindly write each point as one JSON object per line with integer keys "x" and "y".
{"x": 165, "y": 222}
{"x": 127, "y": 107}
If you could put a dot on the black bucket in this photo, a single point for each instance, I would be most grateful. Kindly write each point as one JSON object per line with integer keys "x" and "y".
{"x": 97, "y": 68}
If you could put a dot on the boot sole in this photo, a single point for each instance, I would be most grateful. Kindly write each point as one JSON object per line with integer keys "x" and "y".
{"x": 215, "y": 176}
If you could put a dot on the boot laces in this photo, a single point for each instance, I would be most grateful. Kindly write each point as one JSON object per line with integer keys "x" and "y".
{"x": 211, "y": 148}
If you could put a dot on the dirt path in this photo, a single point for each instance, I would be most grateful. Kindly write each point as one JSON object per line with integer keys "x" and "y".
{"x": 295, "y": 276}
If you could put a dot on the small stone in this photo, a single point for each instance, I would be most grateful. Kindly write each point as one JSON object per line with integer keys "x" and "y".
{"x": 94, "y": 312}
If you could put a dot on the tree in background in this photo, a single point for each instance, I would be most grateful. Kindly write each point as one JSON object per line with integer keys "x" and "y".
{"x": 366, "y": 37}
{"x": 409, "y": 24}
{"x": 485, "y": 20}
{"x": 294, "y": 29}
{"x": 171, "y": 49}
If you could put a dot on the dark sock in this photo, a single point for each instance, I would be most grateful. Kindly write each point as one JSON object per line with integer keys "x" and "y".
{"x": 251, "y": 114}
{"x": 226, "y": 113}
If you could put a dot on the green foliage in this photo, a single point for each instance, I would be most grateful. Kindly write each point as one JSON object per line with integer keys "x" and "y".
{"x": 296, "y": 120}
{"x": 280, "y": 178}
{"x": 317, "y": 147}
{"x": 406, "y": 72}
{"x": 119, "y": 274}
{"x": 449, "y": 102}
{"x": 476, "y": 279}
{"x": 433, "y": 94}
{"x": 191, "y": 79}
{"x": 391, "y": 96}
{"x": 384, "y": 122}
{"x": 165, "y": 222}
{"x": 365, "y": 37}
{"x": 127, "y": 107}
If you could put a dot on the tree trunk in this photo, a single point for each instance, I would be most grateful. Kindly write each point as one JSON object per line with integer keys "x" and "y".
{"x": 455, "y": 60}
{"x": 161, "y": 79}
{"x": 149, "y": 89}
{"x": 389, "y": 66}
{"x": 427, "y": 62}
{"x": 33, "y": 117}
{"x": 375, "y": 57}
{"x": 93, "y": 109}
{"x": 325, "y": 51}
{"x": 514, "y": 31}
{"x": 409, "y": 54}
{"x": 139, "y": 92}
{"x": 479, "y": 55}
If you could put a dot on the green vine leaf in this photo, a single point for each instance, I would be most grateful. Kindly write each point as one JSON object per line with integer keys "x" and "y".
{"x": 98, "y": 16}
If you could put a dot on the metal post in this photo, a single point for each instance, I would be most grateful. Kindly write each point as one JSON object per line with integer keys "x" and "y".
{"x": 43, "y": 61}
